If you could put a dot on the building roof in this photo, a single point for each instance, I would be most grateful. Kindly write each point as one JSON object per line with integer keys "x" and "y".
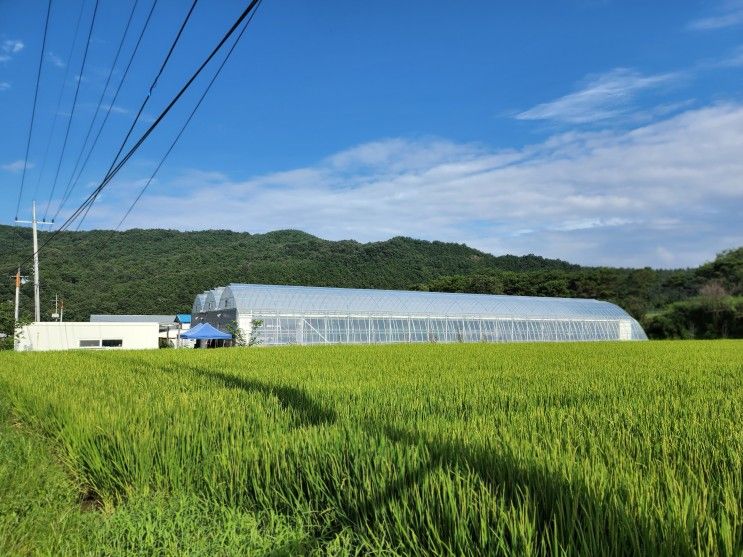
{"x": 183, "y": 318}
{"x": 111, "y": 318}
{"x": 262, "y": 298}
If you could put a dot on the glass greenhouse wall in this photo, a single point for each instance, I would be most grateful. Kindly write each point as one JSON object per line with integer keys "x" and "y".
{"x": 211, "y": 299}
{"x": 277, "y": 315}
{"x": 198, "y": 304}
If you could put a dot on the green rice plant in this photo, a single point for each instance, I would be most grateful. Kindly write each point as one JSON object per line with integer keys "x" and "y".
{"x": 43, "y": 513}
{"x": 460, "y": 449}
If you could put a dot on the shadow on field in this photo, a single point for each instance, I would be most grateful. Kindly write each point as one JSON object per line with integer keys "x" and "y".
{"x": 568, "y": 514}
{"x": 306, "y": 410}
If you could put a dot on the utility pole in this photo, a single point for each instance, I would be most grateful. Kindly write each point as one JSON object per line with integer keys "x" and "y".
{"x": 17, "y": 293}
{"x": 58, "y": 308}
{"x": 37, "y": 297}
{"x": 19, "y": 280}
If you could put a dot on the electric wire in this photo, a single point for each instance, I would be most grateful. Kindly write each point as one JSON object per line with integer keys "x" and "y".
{"x": 183, "y": 128}
{"x": 59, "y": 100}
{"x": 33, "y": 110}
{"x": 100, "y": 99}
{"x": 146, "y": 99}
{"x": 108, "y": 112}
{"x": 113, "y": 169}
{"x": 93, "y": 196}
{"x": 74, "y": 106}
{"x": 152, "y": 86}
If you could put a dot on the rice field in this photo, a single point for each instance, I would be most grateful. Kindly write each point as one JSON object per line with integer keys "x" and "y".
{"x": 458, "y": 449}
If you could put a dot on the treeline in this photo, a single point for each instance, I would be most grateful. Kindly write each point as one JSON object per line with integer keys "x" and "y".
{"x": 706, "y": 302}
{"x": 160, "y": 271}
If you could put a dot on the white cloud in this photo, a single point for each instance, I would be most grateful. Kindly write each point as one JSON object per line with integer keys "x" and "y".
{"x": 4, "y": 85}
{"x": 734, "y": 59}
{"x": 668, "y": 193}
{"x": 601, "y": 97}
{"x": 718, "y": 22}
{"x": 116, "y": 109}
{"x": 12, "y": 46}
{"x": 16, "y": 166}
{"x": 730, "y": 14}
{"x": 9, "y": 47}
{"x": 589, "y": 223}
{"x": 56, "y": 60}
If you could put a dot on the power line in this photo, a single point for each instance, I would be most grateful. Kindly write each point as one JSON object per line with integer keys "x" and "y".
{"x": 183, "y": 128}
{"x": 152, "y": 86}
{"x": 33, "y": 110}
{"x": 93, "y": 196}
{"x": 108, "y": 113}
{"x": 59, "y": 99}
{"x": 147, "y": 97}
{"x": 100, "y": 99}
{"x": 74, "y": 105}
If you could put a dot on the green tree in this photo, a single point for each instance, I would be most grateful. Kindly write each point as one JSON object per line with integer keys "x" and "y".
{"x": 9, "y": 331}
{"x": 238, "y": 335}
{"x": 255, "y": 338}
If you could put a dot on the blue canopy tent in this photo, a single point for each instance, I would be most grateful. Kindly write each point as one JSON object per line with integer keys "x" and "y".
{"x": 191, "y": 331}
{"x": 206, "y": 332}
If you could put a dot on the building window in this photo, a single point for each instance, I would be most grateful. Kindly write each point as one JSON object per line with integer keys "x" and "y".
{"x": 90, "y": 344}
{"x": 113, "y": 343}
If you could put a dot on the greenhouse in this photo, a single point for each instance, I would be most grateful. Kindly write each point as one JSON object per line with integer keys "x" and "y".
{"x": 211, "y": 299}
{"x": 198, "y": 304}
{"x": 274, "y": 315}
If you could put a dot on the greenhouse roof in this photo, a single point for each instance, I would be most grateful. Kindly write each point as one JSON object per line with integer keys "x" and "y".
{"x": 211, "y": 302}
{"x": 198, "y": 303}
{"x": 262, "y": 298}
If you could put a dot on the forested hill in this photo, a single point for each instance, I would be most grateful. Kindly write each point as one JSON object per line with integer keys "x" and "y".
{"x": 706, "y": 302}
{"x": 160, "y": 271}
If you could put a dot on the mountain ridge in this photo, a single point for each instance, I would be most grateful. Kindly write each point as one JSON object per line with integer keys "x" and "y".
{"x": 161, "y": 270}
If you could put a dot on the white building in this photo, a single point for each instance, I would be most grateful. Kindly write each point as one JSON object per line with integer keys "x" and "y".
{"x": 71, "y": 335}
{"x": 171, "y": 326}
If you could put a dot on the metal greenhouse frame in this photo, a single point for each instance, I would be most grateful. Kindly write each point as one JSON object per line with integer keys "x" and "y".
{"x": 276, "y": 315}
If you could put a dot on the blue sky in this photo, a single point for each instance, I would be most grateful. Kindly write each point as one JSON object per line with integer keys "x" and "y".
{"x": 601, "y": 132}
